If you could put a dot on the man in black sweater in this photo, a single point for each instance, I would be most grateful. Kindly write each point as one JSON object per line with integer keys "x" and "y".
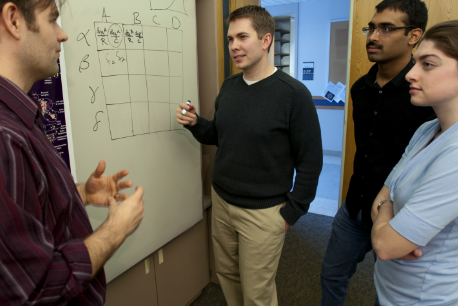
{"x": 385, "y": 120}
{"x": 265, "y": 126}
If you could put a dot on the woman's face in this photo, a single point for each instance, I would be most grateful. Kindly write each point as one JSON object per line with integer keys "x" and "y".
{"x": 434, "y": 78}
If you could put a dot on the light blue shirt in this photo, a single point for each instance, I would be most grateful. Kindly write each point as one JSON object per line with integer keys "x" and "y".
{"x": 424, "y": 188}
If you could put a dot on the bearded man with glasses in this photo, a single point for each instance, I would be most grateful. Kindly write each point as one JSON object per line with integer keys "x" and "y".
{"x": 385, "y": 120}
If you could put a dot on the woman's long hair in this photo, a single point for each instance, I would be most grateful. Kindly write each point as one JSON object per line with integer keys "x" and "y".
{"x": 445, "y": 37}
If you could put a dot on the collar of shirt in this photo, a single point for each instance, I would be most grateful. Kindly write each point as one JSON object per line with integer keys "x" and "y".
{"x": 371, "y": 79}
{"x": 252, "y": 82}
{"x": 24, "y": 106}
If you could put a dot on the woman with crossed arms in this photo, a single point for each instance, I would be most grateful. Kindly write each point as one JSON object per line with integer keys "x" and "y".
{"x": 415, "y": 232}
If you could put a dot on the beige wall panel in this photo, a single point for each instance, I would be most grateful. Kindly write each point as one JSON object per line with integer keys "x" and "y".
{"x": 363, "y": 10}
{"x": 221, "y": 37}
{"x": 185, "y": 269}
{"x": 133, "y": 287}
{"x": 208, "y": 62}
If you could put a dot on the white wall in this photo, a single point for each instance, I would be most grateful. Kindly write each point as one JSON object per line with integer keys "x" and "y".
{"x": 331, "y": 123}
{"x": 313, "y": 30}
{"x": 291, "y": 10}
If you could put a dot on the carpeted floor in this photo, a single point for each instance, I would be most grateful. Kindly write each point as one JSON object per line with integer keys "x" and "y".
{"x": 298, "y": 276}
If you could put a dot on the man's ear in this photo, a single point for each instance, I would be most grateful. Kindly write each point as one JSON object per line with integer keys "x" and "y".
{"x": 415, "y": 36}
{"x": 12, "y": 20}
{"x": 266, "y": 40}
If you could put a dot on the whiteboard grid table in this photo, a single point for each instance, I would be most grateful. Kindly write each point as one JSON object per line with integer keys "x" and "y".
{"x": 144, "y": 65}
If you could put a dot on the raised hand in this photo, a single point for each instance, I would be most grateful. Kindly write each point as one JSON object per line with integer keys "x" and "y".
{"x": 186, "y": 114}
{"x": 127, "y": 215}
{"x": 99, "y": 188}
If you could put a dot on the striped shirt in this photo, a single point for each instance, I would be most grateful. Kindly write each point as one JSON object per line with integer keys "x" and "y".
{"x": 43, "y": 259}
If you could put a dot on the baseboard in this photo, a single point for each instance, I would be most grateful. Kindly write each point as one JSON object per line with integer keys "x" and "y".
{"x": 332, "y": 153}
{"x": 194, "y": 298}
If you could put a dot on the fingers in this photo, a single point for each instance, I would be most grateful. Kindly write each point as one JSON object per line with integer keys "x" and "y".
{"x": 126, "y": 216}
{"x": 414, "y": 255}
{"x": 188, "y": 107}
{"x": 123, "y": 185}
{"x": 121, "y": 196}
{"x": 184, "y": 109}
{"x": 139, "y": 192}
{"x": 408, "y": 257}
{"x": 186, "y": 114}
{"x": 100, "y": 169}
{"x": 112, "y": 201}
{"x": 417, "y": 253}
{"x": 136, "y": 197}
{"x": 120, "y": 175}
{"x": 185, "y": 119}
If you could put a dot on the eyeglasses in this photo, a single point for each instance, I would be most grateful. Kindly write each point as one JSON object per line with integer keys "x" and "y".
{"x": 384, "y": 30}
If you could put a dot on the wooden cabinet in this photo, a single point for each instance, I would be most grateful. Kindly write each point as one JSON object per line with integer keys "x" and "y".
{"x": 173, "y": 276}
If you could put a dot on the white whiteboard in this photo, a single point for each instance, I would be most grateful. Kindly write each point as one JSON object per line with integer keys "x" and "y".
{"x": 128, "y": 65}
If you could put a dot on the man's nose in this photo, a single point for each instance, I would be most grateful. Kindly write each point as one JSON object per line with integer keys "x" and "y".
{"x": 373, "y": 36}
{"x": 62, "y": 36}
{"x": 235, "y": 44}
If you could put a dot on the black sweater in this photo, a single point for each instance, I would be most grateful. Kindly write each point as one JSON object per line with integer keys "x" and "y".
{"x": 263, "y": 131}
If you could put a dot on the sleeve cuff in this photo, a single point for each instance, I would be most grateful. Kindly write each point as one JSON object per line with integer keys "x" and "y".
{"x": 76, "y": 255}
{"x": 419, "y": 234}
{"x": 289, "y": 214}
{"x": 389, "y": 178}
{"x": 190, "y": 128}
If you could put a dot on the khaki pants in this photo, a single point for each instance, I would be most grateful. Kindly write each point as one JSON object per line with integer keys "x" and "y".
{"x": 247, "y": 244}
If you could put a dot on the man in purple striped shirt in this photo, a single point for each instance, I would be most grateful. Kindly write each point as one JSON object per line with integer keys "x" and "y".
{"x": 49, "y": 254}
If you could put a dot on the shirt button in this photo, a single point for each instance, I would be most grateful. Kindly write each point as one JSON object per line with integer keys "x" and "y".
{"x": 380, "y": 91}
{"x": 375, "y": 113}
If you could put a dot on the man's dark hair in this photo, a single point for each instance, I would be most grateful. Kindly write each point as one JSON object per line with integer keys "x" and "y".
{"x": 261, "y": 20}
{"x": 27, "y": 8}
{"x": 415, "y": 9}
